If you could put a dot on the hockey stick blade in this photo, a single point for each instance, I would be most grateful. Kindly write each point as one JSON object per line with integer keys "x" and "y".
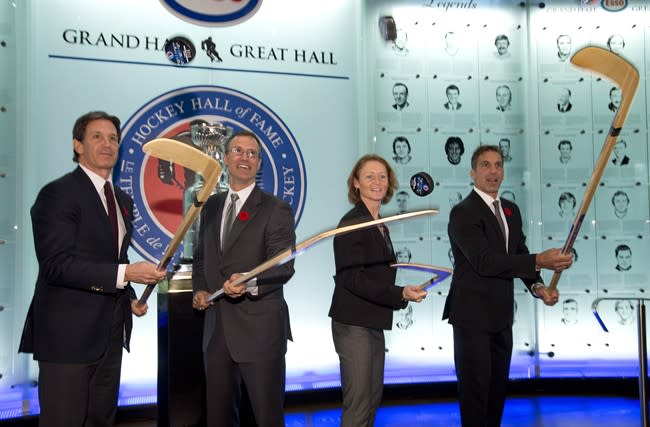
{"x": 439, "y": 273}
{"x": 197, "y": 161}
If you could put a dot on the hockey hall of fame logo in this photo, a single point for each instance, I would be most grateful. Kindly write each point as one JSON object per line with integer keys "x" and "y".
{"x": 157, "y": 186}
{"x": 213, "y": 13}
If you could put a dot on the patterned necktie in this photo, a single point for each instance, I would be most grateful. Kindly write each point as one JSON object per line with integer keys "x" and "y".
{"x": 112, "y": 212}
{"x": 230, "y": 217}
{"x": 497, "y": 213}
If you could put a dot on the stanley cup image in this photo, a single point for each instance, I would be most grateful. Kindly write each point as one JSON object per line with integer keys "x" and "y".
{"x": 211, "y": 139}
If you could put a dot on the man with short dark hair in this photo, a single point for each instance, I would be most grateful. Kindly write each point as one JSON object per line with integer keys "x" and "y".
{"x": 400, "y": 95}
{"x": 565, "y": 147}
{"x": 502, "y": 44}
{"x": 245, "y": 332}
{"x": 402, "y": 199}
{"x": 620, "y": 157}
{"x": 621, "y": 202}
{"x": 504, "y": 148}
{"x": 452, "y": 104}
{"x": 623, "y": 258}
{"x": 489, "y": 251}
{"x": 81, "y": 313}
{"x": 454, "y": 148}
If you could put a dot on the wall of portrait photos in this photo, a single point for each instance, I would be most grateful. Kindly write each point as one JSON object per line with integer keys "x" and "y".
{"x": 458, "y": 77}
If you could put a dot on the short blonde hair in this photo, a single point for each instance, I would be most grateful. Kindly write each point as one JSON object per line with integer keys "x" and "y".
{"x": 353, "y": 193}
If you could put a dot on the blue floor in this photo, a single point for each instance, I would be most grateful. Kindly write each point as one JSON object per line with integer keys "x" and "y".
{"x": 519, "y": 412}
{"x": 525, "y": 411}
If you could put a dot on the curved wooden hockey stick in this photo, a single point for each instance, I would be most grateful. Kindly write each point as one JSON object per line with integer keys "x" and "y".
{"x": 289, "y": 254}
{"x": 193, "y": 159}
{"x": 439, "y": 273}
{"x": 626, "y": 77}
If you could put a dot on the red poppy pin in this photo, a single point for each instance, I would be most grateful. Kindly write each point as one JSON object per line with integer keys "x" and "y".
{"x": 507, "y": 211}
{"x": 126, "y": 212}
{"x": 243, "y": 216}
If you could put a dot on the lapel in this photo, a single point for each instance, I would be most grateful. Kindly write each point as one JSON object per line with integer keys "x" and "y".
{"x": 99, "y": 213}
{"x": 378, "y": 238}
{"x": 213, "y": 225}
{"x": 245, "y": 217}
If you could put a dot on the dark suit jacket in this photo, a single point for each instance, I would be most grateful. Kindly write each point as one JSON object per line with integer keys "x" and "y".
{"x": 481, "y": 294}
{"x": 566, "y": 108}
{"x": 69, "y": 319}
{"x": 365, "y": 293}
{"x": 255, "y": 327}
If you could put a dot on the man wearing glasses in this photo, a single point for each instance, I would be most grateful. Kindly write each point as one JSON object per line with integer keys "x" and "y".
{"x": 245, "y": 332}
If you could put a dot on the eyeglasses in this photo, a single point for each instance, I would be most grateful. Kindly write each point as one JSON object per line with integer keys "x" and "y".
{"x": 249, "y": 154}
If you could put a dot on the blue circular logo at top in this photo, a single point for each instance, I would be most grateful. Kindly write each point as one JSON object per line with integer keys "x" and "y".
{"x": 213, "y": 13}
{"x": 158, "y": 187}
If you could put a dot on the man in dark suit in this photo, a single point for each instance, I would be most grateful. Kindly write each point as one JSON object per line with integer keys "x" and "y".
{"x": 489, "y": 250}
{"x": 452, "y": 92}
{"x": 245, "y": 333}
{"x": 620, "y": 157}
{"x": 80, "y": 316}
{"x": 400, "y": 95}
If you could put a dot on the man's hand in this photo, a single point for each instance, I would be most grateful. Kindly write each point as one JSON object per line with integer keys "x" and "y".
{"x": 412, "y": 293}
{"x": 137, "y": 309}
{"x": 143, "y": 272}
{"x": 549, "y": 298}
{"x": 234, "y": 291}
{"x": 200, "y": 300}
{"x": 552, "y": 259}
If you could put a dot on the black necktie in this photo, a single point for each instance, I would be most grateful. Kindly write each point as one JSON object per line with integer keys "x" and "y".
{"x": 497, "y": 213}
{"x": 230, "y": 217}
{"x": 112, "y": 212}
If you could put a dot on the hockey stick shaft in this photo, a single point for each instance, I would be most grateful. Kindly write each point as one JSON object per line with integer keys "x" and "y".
{"x": 289, "y": 254}
{"x": 623, "y": 74}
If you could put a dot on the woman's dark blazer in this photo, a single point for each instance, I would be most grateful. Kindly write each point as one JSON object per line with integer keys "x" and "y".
{"x": 365, "y": 293}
